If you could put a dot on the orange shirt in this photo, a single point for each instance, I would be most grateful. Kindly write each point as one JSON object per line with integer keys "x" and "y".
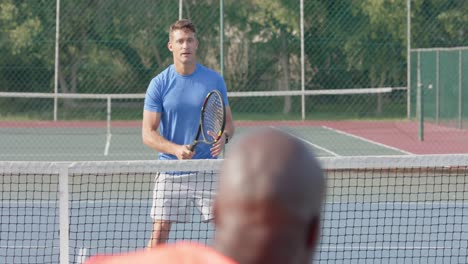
{"x": 182, "y": 252}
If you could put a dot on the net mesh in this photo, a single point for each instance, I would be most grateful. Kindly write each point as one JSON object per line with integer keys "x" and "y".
{"x": 400, "y": 209}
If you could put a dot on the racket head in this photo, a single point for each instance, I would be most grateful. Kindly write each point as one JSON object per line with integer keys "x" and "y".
{"x": 213, "y": 117}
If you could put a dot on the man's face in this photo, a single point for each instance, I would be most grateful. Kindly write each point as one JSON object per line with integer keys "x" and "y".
{"x": 183, "y": 44}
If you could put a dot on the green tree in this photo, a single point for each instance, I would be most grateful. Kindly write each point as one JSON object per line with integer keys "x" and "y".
{"x": 439, "y": 23}
{"x": 262, "y": 53}
{"x": 26, "y": 45}
{"x": 106, "y": 48}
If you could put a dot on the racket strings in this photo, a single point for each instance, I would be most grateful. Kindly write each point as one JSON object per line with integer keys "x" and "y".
{"x": 213, "y": 117}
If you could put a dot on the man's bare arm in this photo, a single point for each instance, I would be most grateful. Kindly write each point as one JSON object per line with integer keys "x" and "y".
{"x": 229, "y": 123}
{"x": 218, "y": 146}
{"x": 154, "y": 140}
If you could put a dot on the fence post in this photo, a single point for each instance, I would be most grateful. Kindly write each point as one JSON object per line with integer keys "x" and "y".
{"x": 181, "y": 5}
{"x": 437, "y": 86}
{"x": 460, "y": 90}
{"x": 420, "y": 100}
{"x": 221, "y": 36}
{"x": 408, "y": 58}
{"x": 302, "y": 60}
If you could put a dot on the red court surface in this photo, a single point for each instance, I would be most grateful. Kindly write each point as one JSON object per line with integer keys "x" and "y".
{"x": 398, "y": 134}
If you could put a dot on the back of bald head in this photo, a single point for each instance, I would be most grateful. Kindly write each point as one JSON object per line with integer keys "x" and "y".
{"x": 275, "y": 172}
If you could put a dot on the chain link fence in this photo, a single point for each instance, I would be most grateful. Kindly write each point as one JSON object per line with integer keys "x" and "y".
{"x": 110, "y": 47}
{"x": 438, "y": 65}
{"x": 118, "y": 46}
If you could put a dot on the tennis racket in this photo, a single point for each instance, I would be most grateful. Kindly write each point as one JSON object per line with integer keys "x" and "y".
{"x": 212, "y": 120}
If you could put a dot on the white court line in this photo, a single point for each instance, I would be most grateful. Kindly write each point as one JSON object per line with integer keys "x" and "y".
{"x": 367, "y": 140}
{"x": 81, "y": 257}
{"x": 309, "y": 143}
{"x": 108, "y": 141}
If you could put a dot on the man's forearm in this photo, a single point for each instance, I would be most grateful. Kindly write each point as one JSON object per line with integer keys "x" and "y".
{"x": 229, "y": 131}
{"x": 157, "y": 142}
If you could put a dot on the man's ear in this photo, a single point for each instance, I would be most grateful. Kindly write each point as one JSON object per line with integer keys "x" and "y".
{"x": 169, "y": 46}
{"x": 314, "y": 233}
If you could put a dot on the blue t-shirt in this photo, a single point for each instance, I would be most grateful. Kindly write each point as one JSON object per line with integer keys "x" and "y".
{"x": 179, "y": 99}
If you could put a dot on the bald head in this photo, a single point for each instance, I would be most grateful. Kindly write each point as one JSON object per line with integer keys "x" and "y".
{"x": 270, "y": 181}
{"x": 273, "y": 167}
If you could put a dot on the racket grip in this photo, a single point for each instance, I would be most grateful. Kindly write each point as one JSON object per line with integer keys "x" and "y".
{"x": 193, "y": 145}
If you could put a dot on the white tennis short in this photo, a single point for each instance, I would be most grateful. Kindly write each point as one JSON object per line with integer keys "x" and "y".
{"x": 175, "y": 196}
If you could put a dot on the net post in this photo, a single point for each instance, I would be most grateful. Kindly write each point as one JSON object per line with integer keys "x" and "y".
{"x": 64, "y": 215}
{"x": 109, "y": 114}
{"x": 420, "y": 100}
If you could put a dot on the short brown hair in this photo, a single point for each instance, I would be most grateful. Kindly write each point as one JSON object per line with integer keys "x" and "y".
{"x": 183, "y": 24}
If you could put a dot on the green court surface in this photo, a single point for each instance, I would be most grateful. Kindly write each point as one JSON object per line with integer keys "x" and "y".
{"x": 125, "y": 143}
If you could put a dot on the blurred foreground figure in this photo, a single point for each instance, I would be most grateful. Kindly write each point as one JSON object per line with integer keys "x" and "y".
{"x": 267, "y": 209}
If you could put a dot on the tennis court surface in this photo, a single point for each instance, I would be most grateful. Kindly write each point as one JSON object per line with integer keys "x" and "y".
{"x": 91, "y": 141}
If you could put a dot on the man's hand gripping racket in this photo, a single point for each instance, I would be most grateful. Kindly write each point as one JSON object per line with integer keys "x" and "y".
{"x": 212, "y": 120}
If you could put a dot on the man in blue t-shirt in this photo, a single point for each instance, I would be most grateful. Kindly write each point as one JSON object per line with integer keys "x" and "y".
{"x": 172, "y": 105}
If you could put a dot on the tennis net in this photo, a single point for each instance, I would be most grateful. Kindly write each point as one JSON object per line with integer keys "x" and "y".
{"x": 393, "y": 209}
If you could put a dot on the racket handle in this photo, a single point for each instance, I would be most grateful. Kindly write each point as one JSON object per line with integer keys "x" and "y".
{"x": 193, "y": 145}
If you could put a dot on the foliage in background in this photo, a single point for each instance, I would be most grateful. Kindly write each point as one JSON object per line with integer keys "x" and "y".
{"x": 118, "y": 46}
